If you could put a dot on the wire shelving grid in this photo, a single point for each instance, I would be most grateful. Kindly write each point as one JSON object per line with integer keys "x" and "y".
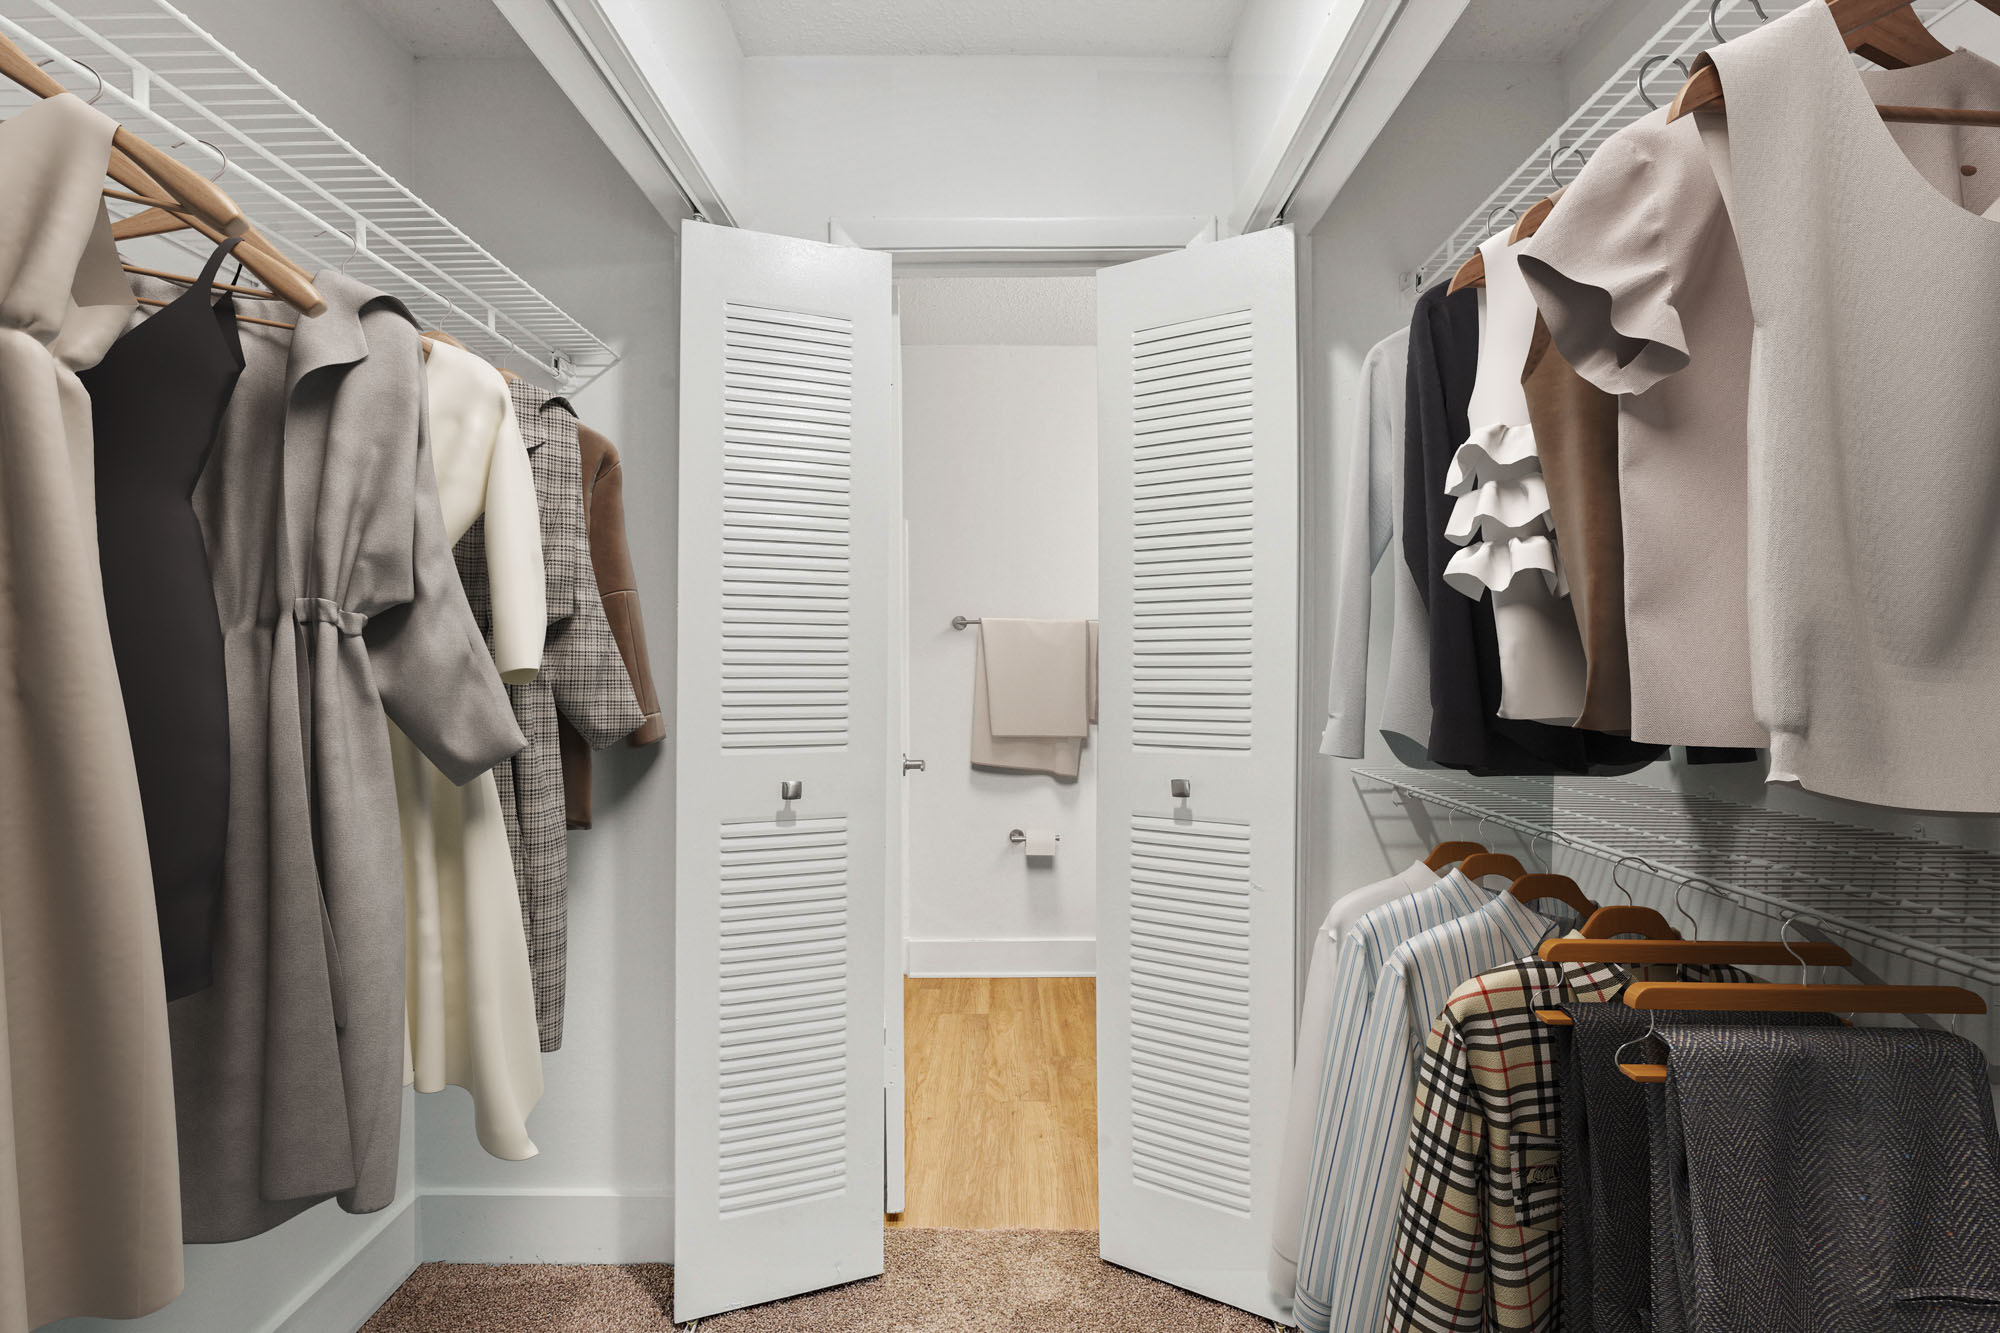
{"x": 1616, "y": 104}
{"x": 323, "y": 200}
{"x": 1930, "y": 902}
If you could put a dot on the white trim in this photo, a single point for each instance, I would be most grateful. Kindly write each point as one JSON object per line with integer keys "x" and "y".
{"x": 1003, "y": 958}
{"x": 581, "y": 49}
{"x": 353, "y": 1286}
{"x": 1100, "y": 240}
{"x": 546, "y": 1226}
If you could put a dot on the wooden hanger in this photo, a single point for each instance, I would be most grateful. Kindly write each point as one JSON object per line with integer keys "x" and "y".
{"x": 1445, "y": 853}
{"x": 1481, "y": 864}
{"x": 253, "y": 293}
{"x": 1760, "y": 998}
{"x": 185, "y": 186}
{"x": 1560, "y": 888}
{"x": 1472, "y": 273}
{"x": 1694, "y": 953}
{"x": 1627, "y": 919}
{"x": 1887, "y": 32}
{"x": 1532, "y": 220}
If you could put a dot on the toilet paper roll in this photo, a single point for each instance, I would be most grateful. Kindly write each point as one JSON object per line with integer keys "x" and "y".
{"x": 1041, "y": 842}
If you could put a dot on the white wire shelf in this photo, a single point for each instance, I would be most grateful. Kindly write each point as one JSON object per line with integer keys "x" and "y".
{"x": 1930, "y": 902}
{"x": 323, "y": 200}
{"x": 1614, "y": 106}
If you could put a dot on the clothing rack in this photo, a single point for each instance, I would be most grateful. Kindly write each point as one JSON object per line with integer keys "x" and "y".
{"x": 310, "y": 190}
{"x": 1929, "y": 902}
{"x": 1616, "y": 104}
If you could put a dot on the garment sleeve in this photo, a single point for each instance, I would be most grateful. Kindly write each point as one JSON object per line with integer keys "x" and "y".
{"x": 1612, "y": 263}
{"x": 1385, "y": 1069}
{"x": 1336, "y": 1105}
{"x": 1437, "y": 1263}
{"x": 436, "y": 677}
{"x": 1365, "y": 529}
{"x": 586, "y": 672}
{"x": 617, "y": 580}
{"x": 513, "y": 548}
{"x": 1423, "y": 406}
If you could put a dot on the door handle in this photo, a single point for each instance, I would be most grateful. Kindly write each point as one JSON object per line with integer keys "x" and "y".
{"x": 791, "y": 789}
{"x": 912, "y": 765}
{"x": 1181, "y": 788}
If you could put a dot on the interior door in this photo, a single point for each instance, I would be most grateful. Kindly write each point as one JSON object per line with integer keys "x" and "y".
{"x": 1198, "y": 445}
{"x": 787, "y": 519}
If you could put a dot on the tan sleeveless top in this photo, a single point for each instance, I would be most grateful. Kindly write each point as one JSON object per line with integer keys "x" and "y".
{"x": 1874, "y": 432}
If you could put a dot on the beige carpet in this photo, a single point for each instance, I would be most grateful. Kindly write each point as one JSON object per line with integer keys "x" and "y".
{"x": 937, "y": 1282}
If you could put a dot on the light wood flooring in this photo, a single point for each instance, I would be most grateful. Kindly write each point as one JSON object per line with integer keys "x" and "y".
{"x": 1002, "y": 1088}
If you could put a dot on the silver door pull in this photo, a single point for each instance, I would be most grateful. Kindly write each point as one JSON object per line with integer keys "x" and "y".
{"x": 912, "y": 765}
{"x": 1180, "y": 787}
{"x": 791, "y": 789}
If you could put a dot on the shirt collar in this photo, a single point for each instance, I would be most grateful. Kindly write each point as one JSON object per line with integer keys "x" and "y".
{"x": 1522, "y": 925}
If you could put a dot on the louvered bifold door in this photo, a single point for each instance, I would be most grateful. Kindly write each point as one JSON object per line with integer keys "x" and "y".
{"x": 1197, "y": 495}
{"x": 788, "y": 505}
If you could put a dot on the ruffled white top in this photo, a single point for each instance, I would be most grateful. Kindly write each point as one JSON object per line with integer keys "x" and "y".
{"x": 1502, "y": 517}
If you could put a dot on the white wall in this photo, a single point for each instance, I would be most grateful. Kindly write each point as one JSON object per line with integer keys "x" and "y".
{"x": 1275, "y": 39}
{"x": 688, "y": 52}
{"x": 975, "y": 136}
{"x": 1000, "y": 490}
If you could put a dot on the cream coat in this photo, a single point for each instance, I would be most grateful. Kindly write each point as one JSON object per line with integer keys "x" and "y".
{"x": 89, "y": 1184}
{"x": 470, "y": 994}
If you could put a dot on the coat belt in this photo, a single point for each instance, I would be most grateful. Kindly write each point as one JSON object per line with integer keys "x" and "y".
{"x": 305, "y": 610}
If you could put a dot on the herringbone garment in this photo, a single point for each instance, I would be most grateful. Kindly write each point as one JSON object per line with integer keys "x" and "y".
{"x": 1838, "y": 1180}
{"x": 583, "y": 675}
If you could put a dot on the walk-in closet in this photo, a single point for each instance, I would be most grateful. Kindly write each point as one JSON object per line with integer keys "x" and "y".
{"x": 1101, "y": 665}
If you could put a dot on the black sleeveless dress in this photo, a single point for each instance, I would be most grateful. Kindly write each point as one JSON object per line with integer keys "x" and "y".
{"x": 157, "y": 399}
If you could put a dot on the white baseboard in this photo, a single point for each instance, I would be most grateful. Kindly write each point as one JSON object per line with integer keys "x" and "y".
{"x": 553, "y": 1227}
{"x": 1003, "y": 958}
{"x": 355, "y": 1284}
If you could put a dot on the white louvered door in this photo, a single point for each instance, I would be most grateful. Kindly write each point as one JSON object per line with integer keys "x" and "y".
{"x": 1198, "y": 532}
{"x": 788, "y": 513}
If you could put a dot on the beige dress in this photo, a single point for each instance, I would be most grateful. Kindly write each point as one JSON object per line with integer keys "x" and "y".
{"x": 1640, "y": 279}
{"x": 89, "y": 1181}
{"x": 470, "y": 994}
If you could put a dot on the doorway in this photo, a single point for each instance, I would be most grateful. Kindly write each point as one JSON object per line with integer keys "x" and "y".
{"x": 998, "y": 387}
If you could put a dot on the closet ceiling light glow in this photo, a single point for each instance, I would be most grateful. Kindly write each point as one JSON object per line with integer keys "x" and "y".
{"x": 314, "y": 194}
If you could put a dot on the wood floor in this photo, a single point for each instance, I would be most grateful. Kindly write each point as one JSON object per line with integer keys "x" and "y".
{"x": 1002, "y": 1079}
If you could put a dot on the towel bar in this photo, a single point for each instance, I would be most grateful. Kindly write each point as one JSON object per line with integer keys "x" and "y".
{"x": 960, "y": 622}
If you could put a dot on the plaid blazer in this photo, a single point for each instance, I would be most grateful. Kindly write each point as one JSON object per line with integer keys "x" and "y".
{"x": 582, "y": 679}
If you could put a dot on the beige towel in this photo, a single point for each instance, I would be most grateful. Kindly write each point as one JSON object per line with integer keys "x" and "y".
{"x": 1037, "y": 676}
{"x": 1058, "y": 755}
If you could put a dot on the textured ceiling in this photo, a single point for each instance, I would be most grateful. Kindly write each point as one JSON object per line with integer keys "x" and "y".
{"x": 1006, "y": 311}
{"x": 984, "y": 27}
{"x": 448, "y": 29}
{"x": 1519, "y": 31}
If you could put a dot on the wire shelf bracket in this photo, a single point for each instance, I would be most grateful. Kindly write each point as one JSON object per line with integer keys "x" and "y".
{"x": 1930, "y": 902}
{"x": 322, "y": 199}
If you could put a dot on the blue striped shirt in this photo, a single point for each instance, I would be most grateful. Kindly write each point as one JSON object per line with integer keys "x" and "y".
{"x": 1351, "y": 1283}
{"x": 1343, "y": 1101}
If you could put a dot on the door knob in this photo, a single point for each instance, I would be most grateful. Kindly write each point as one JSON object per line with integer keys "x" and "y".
{"x": 791, "y": 789}
{"x": 912, "y": 765}
{"x": 1180, "y": 787}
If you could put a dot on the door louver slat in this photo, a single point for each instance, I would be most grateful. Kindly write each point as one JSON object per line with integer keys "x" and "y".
{"x": 783, "y": 1055}
{"x": 1193, "y": 534}
{"x": 1190, "y": 967}
{"x": 787, "y": 430}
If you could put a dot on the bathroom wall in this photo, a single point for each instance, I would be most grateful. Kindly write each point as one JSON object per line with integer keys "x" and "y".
{"x": 1000, "y": 494}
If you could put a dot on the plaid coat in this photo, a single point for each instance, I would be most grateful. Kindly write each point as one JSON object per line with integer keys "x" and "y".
{"x": 582, "y": 679}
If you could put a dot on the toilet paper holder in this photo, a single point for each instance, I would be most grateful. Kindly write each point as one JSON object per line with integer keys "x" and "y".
{"x": 1017, "y": 837}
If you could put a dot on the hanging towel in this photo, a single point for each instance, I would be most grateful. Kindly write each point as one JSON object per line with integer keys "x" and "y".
{"x": 1058, "y": 753}
{"x": 1037, "y": 676}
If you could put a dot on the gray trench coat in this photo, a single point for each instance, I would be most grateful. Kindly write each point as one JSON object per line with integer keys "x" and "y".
{"x": 339, "y": 601}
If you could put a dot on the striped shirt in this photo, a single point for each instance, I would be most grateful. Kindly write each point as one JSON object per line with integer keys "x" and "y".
{"x": 1342, "y": 1105}
{"x": 1343, "y": 1280}
{"x": 1309, "y": 1072}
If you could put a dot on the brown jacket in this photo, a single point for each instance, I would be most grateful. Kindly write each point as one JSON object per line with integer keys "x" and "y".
{"x": 611, "y": 561}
